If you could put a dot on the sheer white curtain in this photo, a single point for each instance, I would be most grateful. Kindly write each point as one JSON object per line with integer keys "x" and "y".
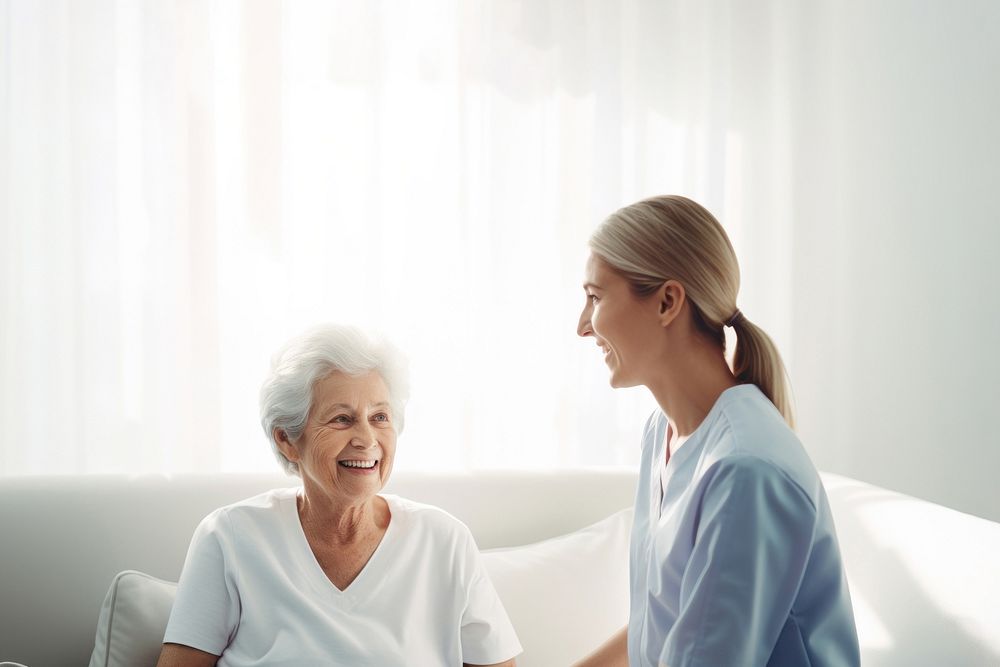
{"x": 186, "y": 184}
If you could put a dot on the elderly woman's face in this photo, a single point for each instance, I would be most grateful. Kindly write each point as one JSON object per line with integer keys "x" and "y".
{"x": 349, "y": 442}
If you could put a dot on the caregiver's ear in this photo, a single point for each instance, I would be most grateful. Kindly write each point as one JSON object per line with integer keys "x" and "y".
{"x": 670, "y": 297}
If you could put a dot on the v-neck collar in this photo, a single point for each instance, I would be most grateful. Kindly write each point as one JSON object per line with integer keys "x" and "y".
{"x": 691, "y": 447}
{"x": 370, "y": 577}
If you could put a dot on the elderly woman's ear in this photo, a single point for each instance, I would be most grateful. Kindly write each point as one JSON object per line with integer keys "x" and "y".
{"x": 285, "y": 445}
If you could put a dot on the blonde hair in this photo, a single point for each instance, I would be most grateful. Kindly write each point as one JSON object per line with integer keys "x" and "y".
{"x": 674, "y": 238}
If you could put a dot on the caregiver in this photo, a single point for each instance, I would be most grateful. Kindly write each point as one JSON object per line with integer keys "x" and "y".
{"x": 734, "y": 558}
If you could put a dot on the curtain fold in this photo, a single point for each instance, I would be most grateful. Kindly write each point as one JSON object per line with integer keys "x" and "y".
{"x": 187, "y": 184}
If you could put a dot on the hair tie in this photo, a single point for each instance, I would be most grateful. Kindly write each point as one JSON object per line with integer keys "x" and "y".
{"x": 734, "y": 318}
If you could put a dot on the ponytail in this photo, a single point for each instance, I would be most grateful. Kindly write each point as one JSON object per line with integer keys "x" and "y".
{"x": 756, "y": 361}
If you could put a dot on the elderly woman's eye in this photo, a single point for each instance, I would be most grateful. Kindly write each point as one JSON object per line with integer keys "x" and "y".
{"x": 341, "y": 419}
{"x": 381, "y": 417}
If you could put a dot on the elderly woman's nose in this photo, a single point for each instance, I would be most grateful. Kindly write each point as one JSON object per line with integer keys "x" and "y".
{"x": 365, "y": 437}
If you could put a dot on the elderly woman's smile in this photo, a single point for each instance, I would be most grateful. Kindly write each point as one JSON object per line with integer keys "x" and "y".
{"x": 360, "y": 466}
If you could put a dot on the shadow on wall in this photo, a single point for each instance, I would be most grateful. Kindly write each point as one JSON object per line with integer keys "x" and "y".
{"x": 921, "y": 577}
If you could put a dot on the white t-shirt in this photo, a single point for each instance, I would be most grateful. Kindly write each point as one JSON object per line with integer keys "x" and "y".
{"x": 253, "y": 592}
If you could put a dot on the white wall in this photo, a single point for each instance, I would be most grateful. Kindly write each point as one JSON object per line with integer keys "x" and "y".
{"x": 850, "y": 148}
{"x": 895, "y": 311}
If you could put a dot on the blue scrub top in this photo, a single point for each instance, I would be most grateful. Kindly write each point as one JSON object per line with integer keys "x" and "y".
{"x": 734, "y": 557}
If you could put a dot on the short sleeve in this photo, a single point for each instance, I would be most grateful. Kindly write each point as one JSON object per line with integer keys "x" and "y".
{"x": 206, "y": 610}
{"x": 487, "y": 635}
{"x": 752, "y": 543}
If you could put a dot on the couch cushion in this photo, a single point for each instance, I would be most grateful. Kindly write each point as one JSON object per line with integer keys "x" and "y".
{"x": 565, "y": 595}
{"x": 923, "y": 577}
{"x": 133, "y": 620}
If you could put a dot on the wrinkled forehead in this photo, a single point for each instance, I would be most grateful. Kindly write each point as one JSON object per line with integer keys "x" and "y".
{"x": 356, "y": 391}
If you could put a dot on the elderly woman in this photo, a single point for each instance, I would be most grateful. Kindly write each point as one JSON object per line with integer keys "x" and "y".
{"x": 332, "y": 572}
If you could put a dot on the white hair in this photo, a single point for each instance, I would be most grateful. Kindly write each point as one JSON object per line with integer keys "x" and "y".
{"x": 287, "y": 393}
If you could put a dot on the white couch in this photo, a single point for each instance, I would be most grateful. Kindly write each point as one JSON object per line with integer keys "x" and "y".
{"x": 925, "y": 579}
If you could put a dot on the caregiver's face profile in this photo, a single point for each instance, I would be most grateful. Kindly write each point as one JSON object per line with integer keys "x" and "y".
{"x": 618, "y": 320}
